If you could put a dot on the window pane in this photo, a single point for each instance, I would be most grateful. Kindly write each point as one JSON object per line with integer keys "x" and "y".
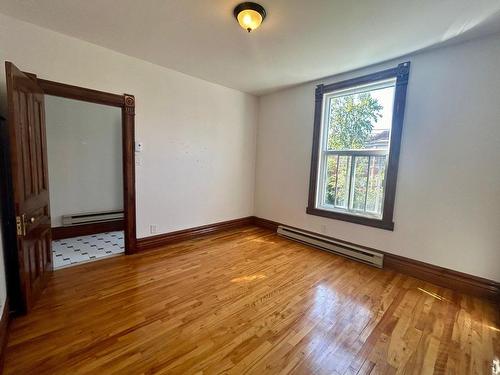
{"x": 330, "y": 179}
{"x": 359, "y": 183}
{"x": 343, "y": 175}
{"x": 375, "y": 194}
{"x": 360, "y": 120}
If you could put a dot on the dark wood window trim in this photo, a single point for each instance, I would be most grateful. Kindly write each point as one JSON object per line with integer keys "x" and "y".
{"x": 401, "y": 73}
{"x": 127, "y": 104}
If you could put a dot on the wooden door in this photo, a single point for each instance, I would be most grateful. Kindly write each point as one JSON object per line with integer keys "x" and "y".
{"x": 28, "y": 159}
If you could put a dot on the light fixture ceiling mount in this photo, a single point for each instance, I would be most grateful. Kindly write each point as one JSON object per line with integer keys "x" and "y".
{"x": 249, "y": 15}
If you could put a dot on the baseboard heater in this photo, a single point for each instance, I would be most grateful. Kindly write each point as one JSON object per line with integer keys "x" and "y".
{"x": 91, "y": 217}
{"x": 350, "y": 251}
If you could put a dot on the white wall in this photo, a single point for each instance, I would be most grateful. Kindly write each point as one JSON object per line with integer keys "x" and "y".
{"x": 448, "y": 195}
{"x": 199, "y": 138}
{"x": 84, "y": 147}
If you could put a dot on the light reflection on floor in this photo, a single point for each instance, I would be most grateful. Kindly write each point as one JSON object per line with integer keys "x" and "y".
{"x": 261, "y": 241}
{"x": 249, "y": 278}
{"x": 436, "y": 296}
{"x": 334, "y": 319}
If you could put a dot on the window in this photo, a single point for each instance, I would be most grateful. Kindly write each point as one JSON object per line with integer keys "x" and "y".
{"x": 357, "y": 136}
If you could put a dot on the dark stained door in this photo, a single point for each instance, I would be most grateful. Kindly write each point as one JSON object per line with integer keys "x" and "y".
{"x": 28, "y": 158}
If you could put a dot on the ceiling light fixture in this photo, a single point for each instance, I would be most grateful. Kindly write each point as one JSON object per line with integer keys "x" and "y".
{"x": 249, "y": 15}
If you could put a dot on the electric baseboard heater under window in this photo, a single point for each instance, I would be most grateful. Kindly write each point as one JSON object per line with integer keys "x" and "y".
{"x": 350, "y": 251}
{"x": 91, "y": 217}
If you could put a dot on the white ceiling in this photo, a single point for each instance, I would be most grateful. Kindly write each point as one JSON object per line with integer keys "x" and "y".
{"x": 300, "y": 40}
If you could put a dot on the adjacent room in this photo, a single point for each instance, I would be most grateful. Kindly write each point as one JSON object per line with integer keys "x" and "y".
{"x": 224, "y": 187}
{"x": 84, "y": 154}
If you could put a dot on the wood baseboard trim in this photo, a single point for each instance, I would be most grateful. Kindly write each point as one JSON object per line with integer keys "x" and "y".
{"x": 454, "y": 280}
{"x": 58, "y": 233}
{"x": 4, "y": 332}
{"x": 265, "y": 223}
{"x": 451, "y": 279}
{"x": 160, "y": 240}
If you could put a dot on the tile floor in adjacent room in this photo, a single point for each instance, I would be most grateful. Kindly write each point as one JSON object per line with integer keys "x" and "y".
{"x": 70, "y": 251}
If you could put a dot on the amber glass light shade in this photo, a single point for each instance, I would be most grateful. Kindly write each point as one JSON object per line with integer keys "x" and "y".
{"x": 249, "y": 15}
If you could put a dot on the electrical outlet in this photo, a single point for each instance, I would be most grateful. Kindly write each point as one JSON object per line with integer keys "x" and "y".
{"x": 138, "y": 161}
{"x": 139, "y": 146}
{"x": 153, "y": 228}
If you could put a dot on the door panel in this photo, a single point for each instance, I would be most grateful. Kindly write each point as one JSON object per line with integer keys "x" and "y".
{"x": 28, "y": 154}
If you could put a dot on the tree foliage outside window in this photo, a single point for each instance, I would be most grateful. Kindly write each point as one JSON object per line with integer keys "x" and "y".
{"x": 351, "y": 120}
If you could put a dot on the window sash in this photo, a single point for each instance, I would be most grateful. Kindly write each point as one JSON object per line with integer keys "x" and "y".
{"x": 348, "y": 208}
{"x": 350, "y": 184}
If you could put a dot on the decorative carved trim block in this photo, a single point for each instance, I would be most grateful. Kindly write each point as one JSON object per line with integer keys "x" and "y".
{"x": 129, "y": 103}
{"x": 403, "y": 73}
{"x": 320, "y": 89}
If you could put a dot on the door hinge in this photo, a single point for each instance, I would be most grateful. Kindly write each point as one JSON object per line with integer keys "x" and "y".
{"x": 21, "y": 225}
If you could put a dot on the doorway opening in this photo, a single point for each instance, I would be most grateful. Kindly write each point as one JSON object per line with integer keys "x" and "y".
{"x": 84, "y": 153}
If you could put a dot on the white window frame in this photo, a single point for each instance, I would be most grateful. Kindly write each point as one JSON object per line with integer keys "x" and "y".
{"x": 324, "y": 152}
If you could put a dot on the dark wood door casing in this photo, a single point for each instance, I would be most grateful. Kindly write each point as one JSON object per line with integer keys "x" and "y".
{"x": 127, "y": 104}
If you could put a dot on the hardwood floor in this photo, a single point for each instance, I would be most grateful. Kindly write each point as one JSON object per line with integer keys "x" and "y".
{"x": 247, "y": 301}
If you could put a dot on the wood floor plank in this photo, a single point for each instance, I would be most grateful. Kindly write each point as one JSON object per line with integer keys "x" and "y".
{"x": 249, "y": 302}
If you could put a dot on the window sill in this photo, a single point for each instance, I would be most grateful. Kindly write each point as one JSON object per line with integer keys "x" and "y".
{"x": 377, "y": 223}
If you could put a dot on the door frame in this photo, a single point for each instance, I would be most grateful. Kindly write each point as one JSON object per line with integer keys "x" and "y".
{"x": 127, "y": 104}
